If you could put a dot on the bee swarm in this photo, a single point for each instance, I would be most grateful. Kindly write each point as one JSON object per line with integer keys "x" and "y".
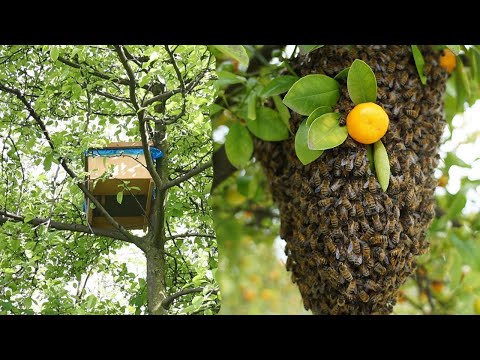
{"x": 350, "y": 246}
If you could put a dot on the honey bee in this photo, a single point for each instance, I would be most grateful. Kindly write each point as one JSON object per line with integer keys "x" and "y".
{"x": 364, "y": 271}
{"x": 404, "y": 78}
{"x": 381, "y": 93}
{"x": 371, "y": 285}
{"x": 343, "y": 213}
{"x": 359, "y": 209}
{"x": 394, "y": 164}
{"x": 320, "y": 260}
{"x": 359, "y": 159}
{"x": 413, "y": 113}
{"x": 409, "y": 93}
{"x": 333, "y": 218}
{"x": 336, "y": 185}
{"x": 410, "y": 197}
{"x": 356, "y": 245}
{"x": 377, "y": 224}
{"x": 379, "y": 268}
{"x": 409, "y": 136}
{"x": 380, "y": 254}
{"x": 346, "y": 203}
{"x": 370, "y": 202}
{"x": 326, "y": 202}
{"x": 396, "y": 252}
{"x": 337, "y": 167}
{"x": 323, "y": 228}
{"x": 330, "y": 245}
{"x": 351, "y": 289}
{"x": 389, "y": 80}
{"x": 391, "y": 67}
{"x": 390, "y": 225}
{"x": 345, "y": 272}
{"x": 342, "y": 120}
{"x": 399, "y": 147}
{"x": 324, "y": 170}
{"x": 417, "y": 171}
{"x": 394, "y": 186}
{"x": 325, "y": 188}
{"x": 388, "y": 205}
{"x": 379, "y": 240}
{"x": 360, "y": 171}
{"x": 341, "y": 301}
{"x": 372, "y": 184}
{"x": 333, "y": 276}
{"x": 366, "y": 251}
{"x": 353, "y": 228}
{"x": 335, "y": 310}
{"x": 306, "y": 189}
{"x": 363, "y": 296}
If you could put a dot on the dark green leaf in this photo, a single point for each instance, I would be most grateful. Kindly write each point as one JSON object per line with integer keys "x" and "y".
{"x": 311, "y": 92}
{"x": 317, "y": 113}
{"x": 268, "y": 126}
{"x": 304, "y": 154}
{"x": 236, "y": 52}
{"x": 326, "y": 133}
{"x": 226, "y": 78}
{"x": 361, "y": 83}
{"x": 278, "y": 85}
{"x": 456, "y": 206}
{"x": 342, "y": 75}
{"x": 419, "y": 63}
{"x": 54, "y": 53}
{"x": 371, "y": 163}
{"x": 382, "y": 164}
{"x": 252, "y": 104}
{"x": 282, "y": 110}
{"x": 238, "y": 145}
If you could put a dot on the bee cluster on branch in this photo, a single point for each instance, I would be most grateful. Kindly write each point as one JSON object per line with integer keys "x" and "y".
{"x": 350, "y": 246}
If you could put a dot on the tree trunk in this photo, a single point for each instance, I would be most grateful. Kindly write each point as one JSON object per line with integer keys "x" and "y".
{"x": 350, "y": 245}
{"x": 156, "y": 280}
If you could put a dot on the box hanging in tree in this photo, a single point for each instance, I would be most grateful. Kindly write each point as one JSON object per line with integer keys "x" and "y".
{"x": 119, "y": 179}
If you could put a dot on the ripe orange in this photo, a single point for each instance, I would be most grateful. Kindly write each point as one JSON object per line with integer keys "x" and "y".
{"x": 448, "y": 61}
{"x": 367, "y": 123}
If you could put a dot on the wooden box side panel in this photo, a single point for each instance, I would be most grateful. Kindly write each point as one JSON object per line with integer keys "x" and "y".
{"x": 124, "y": 167}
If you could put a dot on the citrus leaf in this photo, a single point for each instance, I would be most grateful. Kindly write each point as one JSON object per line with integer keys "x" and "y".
{"x": 278, "y": 85}
{"x": 238, "y": 145}
{"x": 304, "y": 154}
{"x": 305, "y": 49}
{"x": 342, "y": 75}
{"x": 326, "y": 133}
{"x": 311, "y": 92}
{"x": 120, "y": 197}
{"x": 382, "y": 165}
{"x": 370, "y": 157}
{"x": 454, "y": 48}
{"x": 282, "y": 110}
{"x": 236, "y": 52}
{"x": 226, "y": 78}
{"x": 361, "y": 83}
{"x": 317, "y": 113}
{"x": 419, "y": 63}
{"x": 268, "y": 126}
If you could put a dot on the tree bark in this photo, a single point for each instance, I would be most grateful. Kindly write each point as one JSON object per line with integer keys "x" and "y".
{"x": 156, "y": 280}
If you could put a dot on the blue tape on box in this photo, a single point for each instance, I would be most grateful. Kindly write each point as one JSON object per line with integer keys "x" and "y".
{"x": 156, "y": 153}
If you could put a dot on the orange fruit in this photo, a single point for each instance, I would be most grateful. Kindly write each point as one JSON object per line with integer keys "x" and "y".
{"x": 367, "y": 123}
{"x": 448, "y": 60}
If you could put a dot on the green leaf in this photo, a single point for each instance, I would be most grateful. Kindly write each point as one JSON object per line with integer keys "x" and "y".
{"x": 268, "y": 126}
{"x": 278, "y": 85}
{"x": 27, "y": 302}
{"x": 304, "y": 154}
{"x": 361, "y": 83}
{"x": 326, "y": 133}
{"x": 317, "y": 113}
{"x": 305, "y": 49}
{"x": 252, "y": 104}
{"x": 282, "y": 110}
{"x": 54, "y": 53}
{"x": 120, "y": 197}
{"x": 419, "y": 63}
{"x": 342, "y": 75}
{"x": 28, "y": 218}
{"x": 456, "y": 206}
{"x": 454, "y": 48}
{"x": 311, "y": 92}
{"x": 236, "y": 52}
{"x": 238, "y": 145}
{"x": 91, "y": 301}
{"x": 371, "y": 163}
{"x": 226, "y": 78}
{"x": 382, "y": 164}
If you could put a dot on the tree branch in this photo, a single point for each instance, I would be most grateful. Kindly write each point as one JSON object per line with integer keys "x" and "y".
{"x": 169, "y": 299}
{"x": 114, "y": 234}
{"x": 187, "y": 175}
{"x": 140, "y": 115}
{"x": 111, "y": 96}
{"x": 190, "y": 234}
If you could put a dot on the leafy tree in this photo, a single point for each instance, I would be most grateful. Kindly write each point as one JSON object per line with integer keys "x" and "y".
{"x": 445, "y": 280}
{"x": 55, "y": 103}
